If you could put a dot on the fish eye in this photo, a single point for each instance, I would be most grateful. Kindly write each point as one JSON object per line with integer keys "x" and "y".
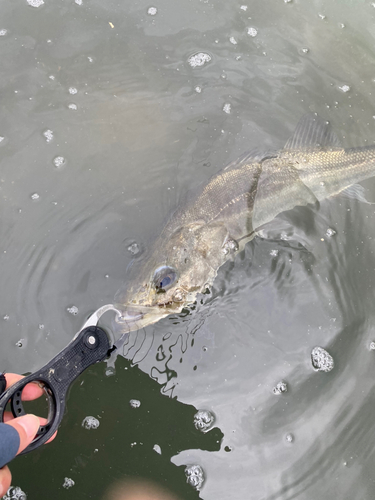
{"x": 164, "y": 277}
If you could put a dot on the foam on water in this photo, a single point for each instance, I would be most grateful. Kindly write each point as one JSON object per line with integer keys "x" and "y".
{"x": 194, "y": 476}
{"x": 280, "y": 388}
{"x": 14, "y": 493}
{"x": 135, "y": 403}
{"x": 90, "y": 423}
{"x": 199, "y": 59}
{"x": 59, "y": 161}
{"x": 252, "y": 31}
{"x": 68, "y": 483}
{"x": 321, "y": 360}
{"x": 35, "y": 3}
{"x": 203, "y": 420}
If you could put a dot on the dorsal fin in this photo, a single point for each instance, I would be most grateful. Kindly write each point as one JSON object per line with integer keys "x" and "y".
{"x": 313, "y": 133}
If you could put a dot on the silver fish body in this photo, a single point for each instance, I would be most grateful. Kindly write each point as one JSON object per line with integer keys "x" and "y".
{"x": 229, "y": 211}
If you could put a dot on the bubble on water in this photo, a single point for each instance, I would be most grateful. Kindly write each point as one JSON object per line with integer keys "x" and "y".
{"x": 35, "y": 196}
{"x": 14, "y": 493}
{"x": 243, "y": 7}
{"x": 48, "y": 134}
{"x": 133, "y": 248}
{"x": 342, "y": 25}
{"x": 321, "y": 360}
{"x": 233, "y": 40}
{"x": 305, "y": 50}
{"x": 110, "y": 371}
{"x": 78, "y": 2}
{"x": 287, "y": 1}
{"x": 3, "y": 32}
{"x": 344, "y": 88}
{"x": 152, "y": 11}
{"x": 1, "y": 139}
{"x": 230, "y": 246}
{"x": 6, "y": 317}
{"x": 73, "y": 106}
{"x": 52, "y": 77}
{"x": 157, "y": 448}
{"x": 289, "y": 438}
{"x": 198, "y": 89}
{"x": 72, "y": 90}
{"x": 135, "y": 403}
{"x": 90, "y": 423}
{"x": 330, "y": 232}
{"x": 199, "y": 59}
{"x": 227, "y": 108}
{"x": 322, "y": 16}
{"x": 20, "y": 343}
{"x": 280, "y": 388}
{"x": 41, "y": 326}
{"x": 72, "y": 310}
{"x": 59, "y": 161}
{"x": 68, "y": 483}
{"x": 203, "y": 420}
{"x": 274, "y": 253}
{"x": 194, "y": 476}
{"x": 252, "y": 31}
{"x": 372, "y": 346}
{"x": 35, "y": 3}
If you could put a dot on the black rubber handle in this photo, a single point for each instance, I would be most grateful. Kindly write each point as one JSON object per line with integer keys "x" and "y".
{"x": 91, "y": 345}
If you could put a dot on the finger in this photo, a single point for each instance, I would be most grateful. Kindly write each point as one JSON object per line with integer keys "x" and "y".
{"x": 27, "y": 426}
{"x": 30, "y": 392}
{"x": 5, "y": 480}
{"x": 42, "y": 421}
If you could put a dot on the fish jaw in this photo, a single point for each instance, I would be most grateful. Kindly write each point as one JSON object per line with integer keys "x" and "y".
{"x": 132, "y": 318}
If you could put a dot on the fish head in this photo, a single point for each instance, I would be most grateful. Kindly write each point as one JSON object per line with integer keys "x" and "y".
{"x": 180, "y": 265}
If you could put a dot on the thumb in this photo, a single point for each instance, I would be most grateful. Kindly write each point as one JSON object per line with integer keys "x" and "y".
{"x": 27, "y": 426}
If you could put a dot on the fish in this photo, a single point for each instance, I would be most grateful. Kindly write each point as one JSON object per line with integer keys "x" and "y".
{"x": 236, "y": 204}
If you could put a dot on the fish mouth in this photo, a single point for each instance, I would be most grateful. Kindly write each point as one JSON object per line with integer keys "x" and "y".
{"x": 132, "y": 317}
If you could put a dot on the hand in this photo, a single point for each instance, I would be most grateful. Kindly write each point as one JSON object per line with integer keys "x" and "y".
{"x": 26, "y": 426}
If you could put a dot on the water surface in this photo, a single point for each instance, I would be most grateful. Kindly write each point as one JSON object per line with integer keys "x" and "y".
{"x": 107, "y": 121}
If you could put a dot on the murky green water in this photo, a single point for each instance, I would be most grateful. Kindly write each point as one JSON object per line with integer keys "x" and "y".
{"x": 105, "y": 126}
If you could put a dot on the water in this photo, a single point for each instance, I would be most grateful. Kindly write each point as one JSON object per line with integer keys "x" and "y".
{"x": 146, "y": 102}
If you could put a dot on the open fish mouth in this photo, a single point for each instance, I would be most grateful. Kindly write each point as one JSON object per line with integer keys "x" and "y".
{"x": 131, "y": 318}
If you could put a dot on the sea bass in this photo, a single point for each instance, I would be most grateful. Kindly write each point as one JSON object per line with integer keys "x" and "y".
{"x": 229, "y": 211}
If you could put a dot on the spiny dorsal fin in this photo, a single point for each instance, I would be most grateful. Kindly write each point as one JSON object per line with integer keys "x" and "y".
{"x": 313, "y": 133}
